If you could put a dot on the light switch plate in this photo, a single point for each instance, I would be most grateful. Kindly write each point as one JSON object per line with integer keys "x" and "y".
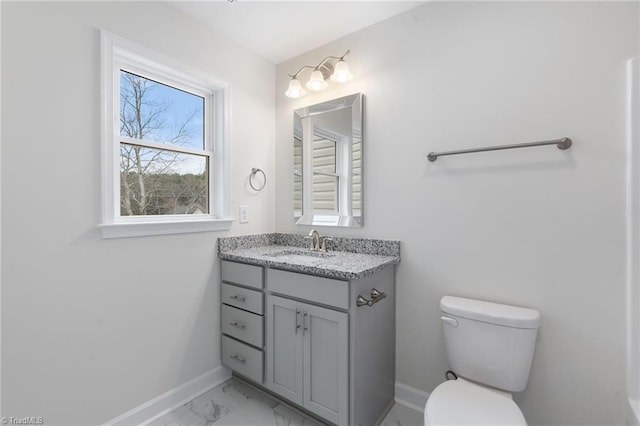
{"x": 243, "y": 214}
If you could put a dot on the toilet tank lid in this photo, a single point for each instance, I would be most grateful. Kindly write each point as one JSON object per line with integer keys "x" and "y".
{"x": 493, "y": 313}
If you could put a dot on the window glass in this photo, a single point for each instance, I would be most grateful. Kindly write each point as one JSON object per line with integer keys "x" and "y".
{"x": 356, "y": 176}
{"x": 297, "y": 175}
{"x": 153, "y": 111}
{"x": 325, "y": 179}
{"x": 324, "y": 154}
{"x": 162, "y": 182}
{"x": 153, "y": 180}
{"x": 325, "y": 193}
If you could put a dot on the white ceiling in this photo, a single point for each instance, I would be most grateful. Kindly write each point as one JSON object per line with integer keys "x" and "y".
{"x": 278, "y": 31}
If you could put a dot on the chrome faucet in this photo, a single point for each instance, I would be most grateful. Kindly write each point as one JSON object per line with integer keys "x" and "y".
{"x": 318, "y": 243}
{"x": 315, "y": 240}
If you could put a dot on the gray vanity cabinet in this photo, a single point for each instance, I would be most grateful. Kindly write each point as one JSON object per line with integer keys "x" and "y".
{"x": 308, "y": 356}
{"x": 313, "y": 340}
{"x": 284, "y": 339}
{"x": 242, "y": 320}
{"x": 325, "y": 362}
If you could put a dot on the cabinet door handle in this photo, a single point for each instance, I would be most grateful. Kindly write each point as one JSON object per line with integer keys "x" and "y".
{"x": 237, "y": 324}
{"x": 238, "y": 298}
{"x": 238, "y": 358}
{"x": 297, "y": 323}
{"x": 304, "y": 323}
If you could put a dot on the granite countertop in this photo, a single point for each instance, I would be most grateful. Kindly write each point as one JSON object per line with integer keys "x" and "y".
{"x": 353, "y": 258}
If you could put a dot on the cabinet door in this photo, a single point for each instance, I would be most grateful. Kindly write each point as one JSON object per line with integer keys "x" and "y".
{"x": 284, "y": 348}
{"x": 326, "y": 360}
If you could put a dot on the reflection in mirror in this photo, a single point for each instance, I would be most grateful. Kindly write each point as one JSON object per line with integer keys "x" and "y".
{"x": 327, "y": 163}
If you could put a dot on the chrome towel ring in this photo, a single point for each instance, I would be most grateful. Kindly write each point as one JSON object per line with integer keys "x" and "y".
{"x": 254, "y": 172}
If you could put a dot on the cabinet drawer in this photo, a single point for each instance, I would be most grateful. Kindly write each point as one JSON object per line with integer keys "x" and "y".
{"x": 241, "y": 297}
{"x": 242, "y": 325}
{"x": 242, "y": 358}
{"x": 240, "y": 273}
{"x": 326, "y": 291}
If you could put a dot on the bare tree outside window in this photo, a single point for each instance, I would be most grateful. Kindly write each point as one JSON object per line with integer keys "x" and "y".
{"x": 157, "y": 180}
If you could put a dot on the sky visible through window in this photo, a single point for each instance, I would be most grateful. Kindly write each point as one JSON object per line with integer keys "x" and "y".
{"x": 157, "y": 112}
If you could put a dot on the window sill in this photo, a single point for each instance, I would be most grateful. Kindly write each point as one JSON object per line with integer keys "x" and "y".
{"x": 143, "y": 229}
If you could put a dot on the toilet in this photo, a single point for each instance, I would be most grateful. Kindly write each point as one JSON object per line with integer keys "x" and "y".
{"x": 490, "y": 349}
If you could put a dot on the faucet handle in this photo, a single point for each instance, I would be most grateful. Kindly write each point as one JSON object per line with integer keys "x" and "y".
{"x": 309, "y": 238}
{"x": 324, "y": 243}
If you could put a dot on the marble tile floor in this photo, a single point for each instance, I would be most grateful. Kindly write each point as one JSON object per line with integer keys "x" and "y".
{"x": 234, "y": 403}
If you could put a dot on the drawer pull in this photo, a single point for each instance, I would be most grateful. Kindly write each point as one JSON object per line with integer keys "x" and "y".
{"x": 304, "y": 323}
{"x": 237, "y": 324}
{"x": 238, "y": 298}
{"x": 297, "y": 324}
{"x": 238, "y": 358}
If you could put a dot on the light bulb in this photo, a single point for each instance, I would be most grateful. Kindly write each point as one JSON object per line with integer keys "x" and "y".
{"x": 341, "y": 73}
{"x": 316, "y": 81}
{"x": 295, "y": 89}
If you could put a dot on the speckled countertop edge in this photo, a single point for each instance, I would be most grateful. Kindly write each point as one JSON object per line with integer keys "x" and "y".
{"x": 352, "y": 258}
{"x": 343, "y": 244}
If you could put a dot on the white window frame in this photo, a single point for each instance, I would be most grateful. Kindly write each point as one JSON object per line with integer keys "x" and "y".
{"x": 118, "y": 53}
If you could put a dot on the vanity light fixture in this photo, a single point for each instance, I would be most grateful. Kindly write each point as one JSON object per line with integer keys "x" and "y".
{"x": 338, "y": 72}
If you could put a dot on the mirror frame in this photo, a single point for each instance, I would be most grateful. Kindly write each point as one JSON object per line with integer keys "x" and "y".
{"x": 301, "y": 128}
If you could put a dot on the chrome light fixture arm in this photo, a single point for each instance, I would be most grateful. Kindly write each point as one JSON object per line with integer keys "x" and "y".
{"x": 322, "y": 62}
{"x": 338, "y": 72}
{"x": 300, "y": 70}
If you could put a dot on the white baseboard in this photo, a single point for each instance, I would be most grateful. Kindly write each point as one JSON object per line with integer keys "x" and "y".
{"x": 172, "y": 399}
{"x": 145, "y": 413}
{"x": 411, "y": 397}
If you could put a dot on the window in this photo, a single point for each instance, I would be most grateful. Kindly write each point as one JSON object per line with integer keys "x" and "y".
{"x": 326, "y": 179}
{"x": 297, "y": 174}
{"x": 163, "y": 146}
{"x": 164, "y": 161}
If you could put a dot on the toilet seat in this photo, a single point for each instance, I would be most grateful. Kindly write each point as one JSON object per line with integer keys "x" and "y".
{"x": 460, "y": 402}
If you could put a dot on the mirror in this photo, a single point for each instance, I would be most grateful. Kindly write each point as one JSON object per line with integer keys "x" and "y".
{"x": 327, "y": 163}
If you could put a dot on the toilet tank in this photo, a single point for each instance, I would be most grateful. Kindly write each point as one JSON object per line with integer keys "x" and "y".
{"x": 490, "y": 343}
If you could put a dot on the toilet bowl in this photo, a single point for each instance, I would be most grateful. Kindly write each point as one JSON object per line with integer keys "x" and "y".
{"x": 490, "y": 348}
{"x": 460, "y": 402}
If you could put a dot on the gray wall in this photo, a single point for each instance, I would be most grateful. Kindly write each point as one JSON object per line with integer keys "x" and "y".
{"x": 90, "y": 327}
{"x": 541, "y": 228}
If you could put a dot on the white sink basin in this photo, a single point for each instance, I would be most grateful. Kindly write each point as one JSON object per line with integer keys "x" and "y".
{"x": 299, "y": 255}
